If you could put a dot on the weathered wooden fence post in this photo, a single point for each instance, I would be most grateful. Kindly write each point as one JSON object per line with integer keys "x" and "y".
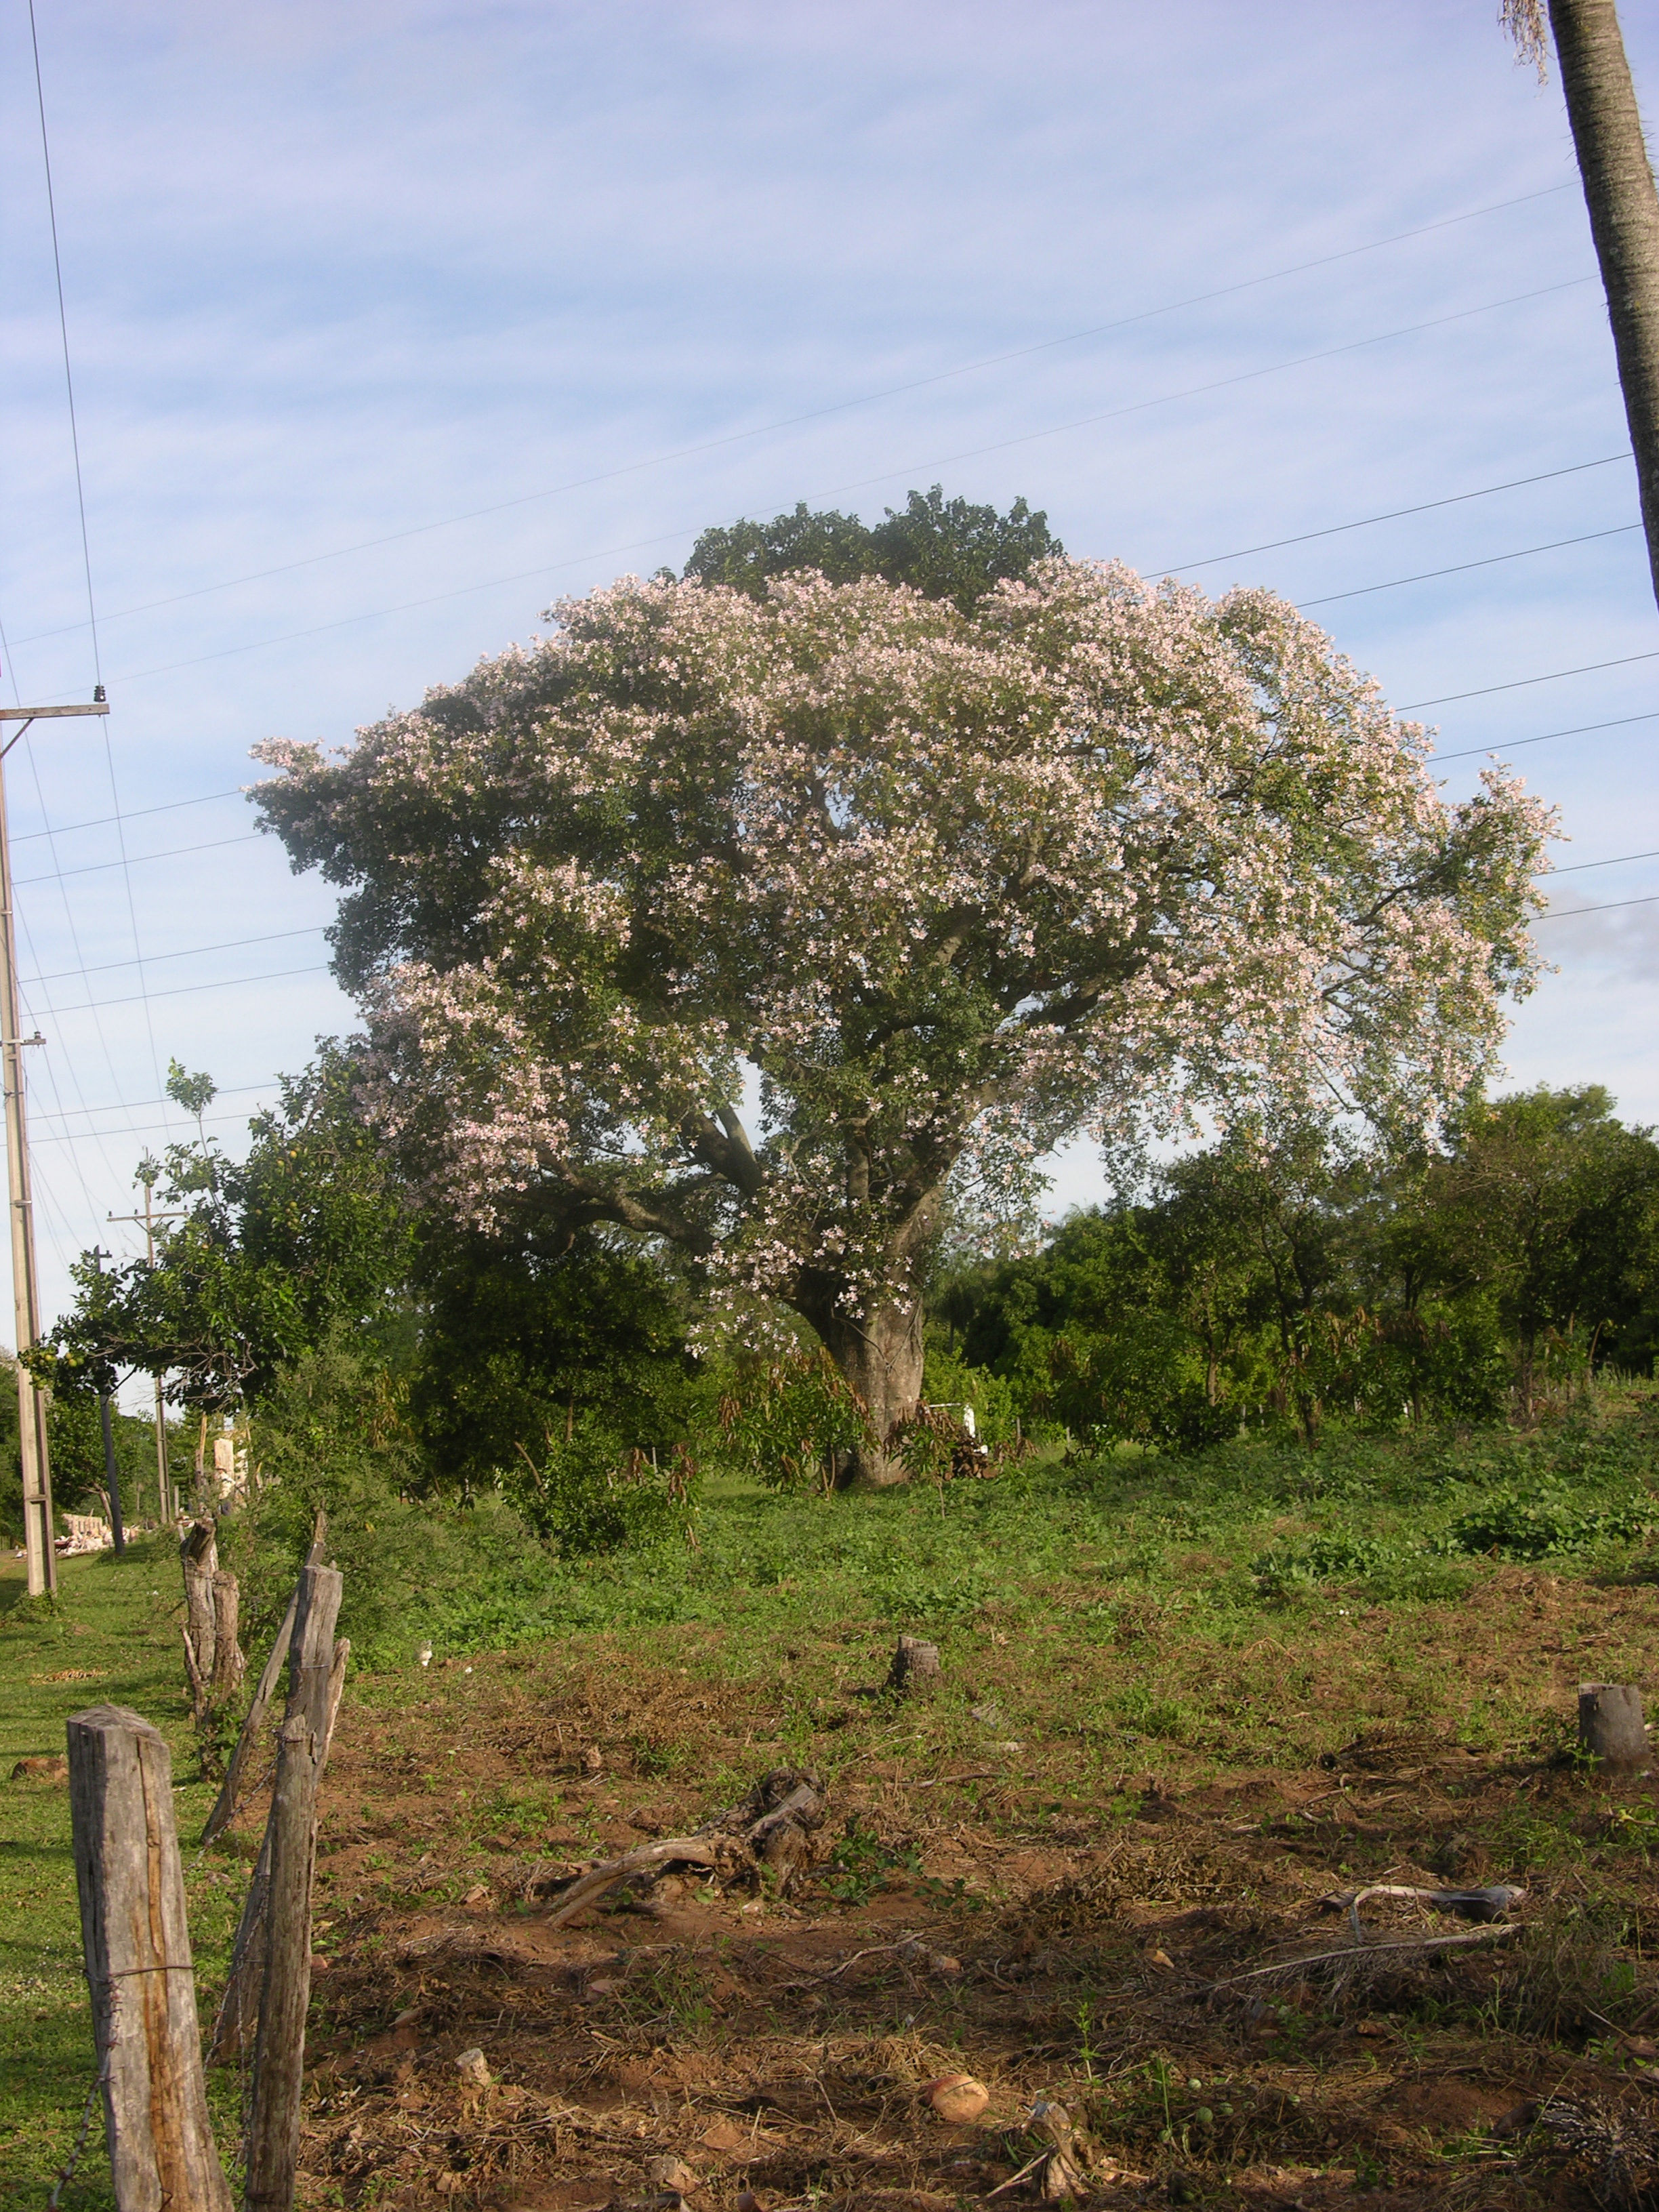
{"x": 316, "y": 1665}
{"x": 224, "y": 1805}
{"x": 136, "y": 1945}
{"x": 316, "y": 1675}
{"x": 273, "y": 2137}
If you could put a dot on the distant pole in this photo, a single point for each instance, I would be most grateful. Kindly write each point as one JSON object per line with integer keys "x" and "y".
{"x": 26, "y": 1294}
{"x": 112, "y": 1478}
{"x": 163, "y": 1485}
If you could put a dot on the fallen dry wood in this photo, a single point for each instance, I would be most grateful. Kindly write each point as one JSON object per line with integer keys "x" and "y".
{"x": 772, "y": 1824}
{"x": 1416, "y": 1944}
{"x": 1471, "y": 1904}
{"x": 649, "y": 1858}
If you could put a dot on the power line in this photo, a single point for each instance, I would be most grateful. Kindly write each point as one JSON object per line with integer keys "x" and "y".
{"x": 62, "y": 325}
{"x": 173, "y": 853}
{"x": 186, "y": 990}
{"x": 1619, "y": 860}
{"x": 817, "y": 414}
{"x": 909, "y": 469}
{"x": 1461, "y": 567}
{"x": 227, "y": 1090}
{"x": 1580, "y": 730}
{"x": 81, "y": 502}
{"x": 143, "y": 1129}
{"x": 186, "y": 953}
{"x": 131, "y": 814}
{"x": 1521, "y": 683}
{"x": 1566, "y": 913}
{"x": 1395, "y": 515}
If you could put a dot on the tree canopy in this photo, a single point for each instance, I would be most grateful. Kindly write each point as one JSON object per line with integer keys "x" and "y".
{"x": 939, "y": 876}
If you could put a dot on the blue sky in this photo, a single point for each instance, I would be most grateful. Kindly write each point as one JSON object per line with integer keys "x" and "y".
{"x": 1193, "y": 279}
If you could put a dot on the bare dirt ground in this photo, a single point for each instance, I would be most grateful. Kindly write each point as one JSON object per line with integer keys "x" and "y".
{"x": 965, "y": 1914}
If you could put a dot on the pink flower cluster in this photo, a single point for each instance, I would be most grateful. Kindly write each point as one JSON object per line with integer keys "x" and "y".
{"x": 946, "y": 889}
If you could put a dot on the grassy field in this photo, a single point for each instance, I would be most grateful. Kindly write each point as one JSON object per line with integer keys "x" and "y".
{"x": 1180, "y": 1702}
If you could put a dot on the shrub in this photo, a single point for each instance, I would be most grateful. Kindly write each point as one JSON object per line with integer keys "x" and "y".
{"x": 1528, "y": 1524}
{"x": 587, "y": 1497}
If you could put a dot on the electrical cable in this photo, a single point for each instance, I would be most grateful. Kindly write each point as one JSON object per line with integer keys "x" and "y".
{"x": 910, "y": 469}
{"x": 131, "y": 814}
{"x": 57, "y": 877}
{"x": 188, "y": 990}
{"x": 1461, "y": 567}
{"x": 81, "y": 502}
{"x": 1394, "y": 514}
{"x": 1520, "y": 684}
{"x": 172, "y": 853}
{"x": 62, "y": 325}
{"x": 1579, "y": 730}
{"x": 186, "y": 953}
{"x": 817, "y": 414}
{"x": 1618, "y": 860}
{"x": 1566, "y": 913}
{"x": 21, "y": 918}
{"x": 226, "y": 1091}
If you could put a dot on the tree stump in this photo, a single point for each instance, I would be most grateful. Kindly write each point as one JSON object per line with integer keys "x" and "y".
{"x": 137, "y": 1944}
{"x": 1610, "y": 1724}
{"x": 915, "y": 1667}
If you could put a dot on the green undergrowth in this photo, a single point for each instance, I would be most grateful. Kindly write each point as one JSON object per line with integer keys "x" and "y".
{"x": 1102, "y": 1622}
{"x": 1400, "y": 1520}
{"x": 111, "y": 1638}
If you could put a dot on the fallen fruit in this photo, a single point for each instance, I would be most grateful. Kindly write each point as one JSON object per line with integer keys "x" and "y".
{"x": 957, "y": 2097}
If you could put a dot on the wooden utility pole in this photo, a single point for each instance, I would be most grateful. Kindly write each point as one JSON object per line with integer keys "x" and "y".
{"x": 136, "y": 1938}
{"x": 26, "y": 1294}
{"x": 112, "y": 1472}
{"x": 164, "y": 1499}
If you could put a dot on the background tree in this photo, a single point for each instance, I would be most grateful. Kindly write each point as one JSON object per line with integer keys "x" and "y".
{"x": 520, "y": 1346}
{"x": 1622, "y": 204}
{"x": 1552, "y": 1205}
{"x": 1298, "y": 1280}
{"x": 275, "y": 1254}
{"x": 938, "y": 886}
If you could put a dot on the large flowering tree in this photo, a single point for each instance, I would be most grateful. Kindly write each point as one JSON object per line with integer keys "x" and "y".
{"x": 933, "y": 887}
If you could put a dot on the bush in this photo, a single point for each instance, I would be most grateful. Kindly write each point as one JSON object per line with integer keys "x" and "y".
{"x": 1529, "y": 1524}
{"x": 787, "y": 1422}
{"x": 587, "y": 1497}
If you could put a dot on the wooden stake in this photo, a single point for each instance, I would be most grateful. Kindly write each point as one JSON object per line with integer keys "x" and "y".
{"x": 314, "y": 1690}
{"x": 273, "y": 2140}
{"x": 198, "y": 1555}
{"x": 229, "y": 1666}
{"x": 137, "y": 1944}
{"x": 224, "y": 1805}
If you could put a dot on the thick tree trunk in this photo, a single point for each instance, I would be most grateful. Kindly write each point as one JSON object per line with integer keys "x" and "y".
{"x": 880, "y": 1355}
{"x": 1624, "y": 214}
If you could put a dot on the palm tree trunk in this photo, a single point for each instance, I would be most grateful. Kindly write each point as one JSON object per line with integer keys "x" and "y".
{"x": 1624, "y": 214}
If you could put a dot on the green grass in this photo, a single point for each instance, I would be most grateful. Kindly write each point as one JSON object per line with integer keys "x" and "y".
{"x": 109, "y": 1638}
{"x": 1118, "y": 1618}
